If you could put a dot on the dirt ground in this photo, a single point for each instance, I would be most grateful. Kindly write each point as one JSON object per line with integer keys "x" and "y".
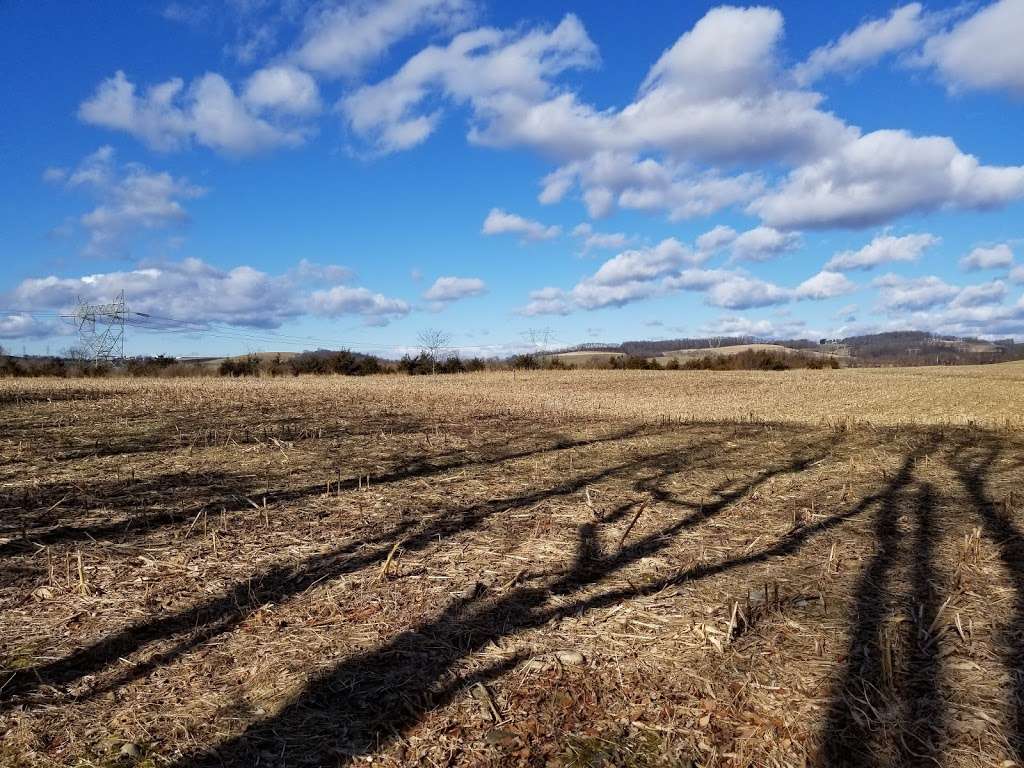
{"x": 226, "y": 573}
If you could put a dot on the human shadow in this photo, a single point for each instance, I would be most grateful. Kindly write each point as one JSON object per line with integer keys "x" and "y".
{"x": 973, "y": 462}
{"x": 880, "y": 693}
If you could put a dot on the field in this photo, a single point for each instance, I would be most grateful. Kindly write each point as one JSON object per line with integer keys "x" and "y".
{"x": 586, "y": 358}
{"x": 584, "y": 568}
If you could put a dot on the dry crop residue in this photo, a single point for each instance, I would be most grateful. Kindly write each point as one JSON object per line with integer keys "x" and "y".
{"x": 588, "y": 568}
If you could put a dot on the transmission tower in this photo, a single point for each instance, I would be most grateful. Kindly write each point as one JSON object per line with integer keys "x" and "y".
{"x": 101, "y": 329}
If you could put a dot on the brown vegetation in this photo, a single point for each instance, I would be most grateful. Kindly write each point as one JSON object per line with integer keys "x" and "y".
{"x": 502, "y": 569}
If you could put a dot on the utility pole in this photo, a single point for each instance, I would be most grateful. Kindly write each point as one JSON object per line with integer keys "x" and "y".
{"x": 101, "y": 329}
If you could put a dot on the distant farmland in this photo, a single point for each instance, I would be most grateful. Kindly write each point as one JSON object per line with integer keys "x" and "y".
{"x": 590, "y": 358}
{"x": 628, "y": 568}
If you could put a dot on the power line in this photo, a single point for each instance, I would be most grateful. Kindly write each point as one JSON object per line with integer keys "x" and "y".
{"x": 113, "y": 318}
{"x": 101, "y": 329}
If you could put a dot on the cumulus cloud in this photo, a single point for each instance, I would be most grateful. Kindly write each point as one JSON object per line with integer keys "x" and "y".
{"x": 763, "y": 243}
{"x": 21, "y": 325}
{"x": 196, "y": 292}
{"x": 609, "y": 179}
{"x": 284, "y": 89}
{"x": 738, "y": 325}
{"x": 757, "y": 244}
{"x": 310, "y": 271}
{"x": 904, "y": 293}
{"x": 715, "y": 100}
{"x": 1017, "y": 275}
{"x": 600, "y": 240}
{"x": 668, "y": 267}
{"x": 499, "y": 222}
{"x": 905, "y": 26}
{"x": 982, "y": 52}
{"x": 130, "y": 198}
{"x": 340, "y": 40}
{"x": 374, "y": 308}
{"x": 448, "y": 289}
{"x": 883, "y": 250}
{"x": 746, "y": 292}
{"x": 490, "y": 69}
{"x": 191, "y": 290}
{"x": 825, "y": 285}
{"x": 996, "y": 257}
{"x": 980, "y": 295}
{"x": 169, "y": 116}
{"x": 715, "y": 239}
{"x": 882, "y": 175}
{"x": 643, "y": 263}
{"x": 547, "y": 301}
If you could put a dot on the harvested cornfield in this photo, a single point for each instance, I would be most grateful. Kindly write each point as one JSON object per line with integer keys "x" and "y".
{"x": 635, "y": 568}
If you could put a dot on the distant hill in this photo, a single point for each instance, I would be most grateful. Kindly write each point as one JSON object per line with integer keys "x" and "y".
{"x": 894, "y": 348}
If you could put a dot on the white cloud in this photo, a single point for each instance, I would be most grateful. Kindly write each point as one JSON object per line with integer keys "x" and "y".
{"x": 588, "y": 294}
{"x": 643, "y": 263}
{"x": 130, "y": 198}
{"x": 737, "y": 325}
{"x": 902, "y": 293}
{"x": 340, "y": 40}
{"x": 25, "y": 326}
{"x": 194, "y": 291}
{"x": 446, "y": 289}
{"x": 825, "y": 285}
{"x": 607, "y": 179}
{"x": 996, "y": 257}
{"x": 715, "y": 239}
{"x": 168, "y": 116}
{"x": 757, "y": 244}
{"x": 745, "y": 292}
{"x": 980, "y": 295}
{"x": 547, "y": 301}
{"x": 882, "y": 250}
{"x": 309, "y": 271}
{"x": 600, "y": 240}
{"x": 983, "y": 51}
{"x": 1017, "y": 275}
{"x": 284, "y": 89}
{"x": 499, "y": 222}
{"x": 905, "y": 26}
{"x": 847, "y": 313}
{"x": 885, "y": 174}
{"x": 375, "y": 308}
{"x": 716, "y": 100}
{"x": 492, "y": 70}
{"x": 763, "y": 243}
{"x": 666, "y": 268}
{"x": 190, "y": 290}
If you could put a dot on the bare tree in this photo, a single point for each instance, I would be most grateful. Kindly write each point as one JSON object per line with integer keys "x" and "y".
{"x": 432, "y": 341}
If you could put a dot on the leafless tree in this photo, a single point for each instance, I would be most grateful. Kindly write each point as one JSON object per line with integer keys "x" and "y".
{"x": 432, "y": 341}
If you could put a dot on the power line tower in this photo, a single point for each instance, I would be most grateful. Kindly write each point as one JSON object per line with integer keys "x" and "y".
{"x": 539, "y": 339}
{"x": 101, "y": 329}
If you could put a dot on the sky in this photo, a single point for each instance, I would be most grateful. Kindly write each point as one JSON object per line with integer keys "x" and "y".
{"x": 281, "y": 175}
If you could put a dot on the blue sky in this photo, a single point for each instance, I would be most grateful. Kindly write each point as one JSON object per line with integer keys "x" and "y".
{"x": 287, "y": 175}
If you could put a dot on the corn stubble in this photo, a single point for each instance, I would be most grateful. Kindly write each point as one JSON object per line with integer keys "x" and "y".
{"x": 555, "y": 568}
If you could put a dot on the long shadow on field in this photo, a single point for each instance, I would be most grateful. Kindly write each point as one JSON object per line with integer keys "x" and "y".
{"x": 873, "y": 685}
{"x": 220, "y": 614}
{"x": 973, "y": 463}
{"x": 168, "y": 499}
{"x": 368, "y": 699}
